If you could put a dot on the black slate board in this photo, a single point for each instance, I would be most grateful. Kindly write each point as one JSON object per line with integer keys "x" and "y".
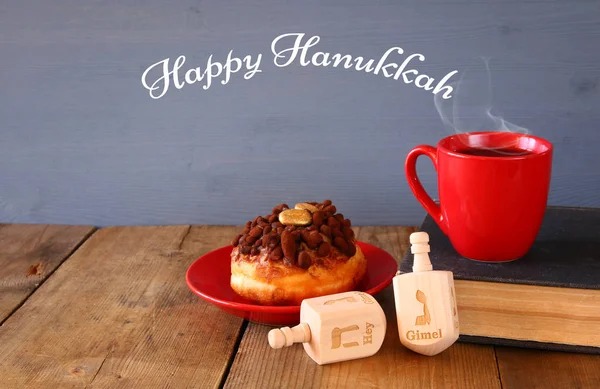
{"x": 566, "y": 253}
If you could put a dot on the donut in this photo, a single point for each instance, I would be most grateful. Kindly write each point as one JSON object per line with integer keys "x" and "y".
{"x": 294, "y": 254}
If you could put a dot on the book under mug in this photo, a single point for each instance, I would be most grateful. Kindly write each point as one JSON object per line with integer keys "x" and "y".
{"x": 548, "y": 299}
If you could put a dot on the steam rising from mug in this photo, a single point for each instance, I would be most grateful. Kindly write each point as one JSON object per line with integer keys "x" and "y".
{"x": 470, "y": 108}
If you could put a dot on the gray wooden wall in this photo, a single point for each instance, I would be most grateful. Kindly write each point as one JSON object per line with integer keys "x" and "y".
{"x": 81, "y": 142}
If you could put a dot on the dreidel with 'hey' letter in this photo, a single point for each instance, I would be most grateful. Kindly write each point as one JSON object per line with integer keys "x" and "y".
{"x": 336, "y": 328}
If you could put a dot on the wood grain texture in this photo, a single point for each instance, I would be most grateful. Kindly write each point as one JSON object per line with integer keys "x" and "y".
{"x": 534, "y": 369}
{"x": 202, "y": 156}
{"x": 29, "y": 254}
{"x": 461, "y": 366}
{"x": 118, "y": 314}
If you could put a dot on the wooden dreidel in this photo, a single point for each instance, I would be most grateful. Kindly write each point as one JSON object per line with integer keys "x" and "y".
{"x": 336, "y": 328}
{"x": 425, "y": 303}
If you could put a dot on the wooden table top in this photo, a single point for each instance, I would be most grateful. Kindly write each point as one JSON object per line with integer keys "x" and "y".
{"x": 109, "y": 308}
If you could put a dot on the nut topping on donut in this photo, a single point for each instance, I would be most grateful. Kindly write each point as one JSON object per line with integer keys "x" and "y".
{"x": 300, "y": 237}
{"x": 295, "y": 217}
{"x": 309, "y": 207}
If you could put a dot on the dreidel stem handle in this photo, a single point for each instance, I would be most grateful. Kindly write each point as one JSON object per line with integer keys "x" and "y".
{"x": 286, "y": 336}
{"x": 420, "y": 248}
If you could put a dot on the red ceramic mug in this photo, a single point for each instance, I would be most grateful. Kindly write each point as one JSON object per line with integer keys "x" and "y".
{"x": 493, "y": 190}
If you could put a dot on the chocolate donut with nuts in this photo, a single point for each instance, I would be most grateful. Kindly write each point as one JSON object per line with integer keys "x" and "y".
{"x": 294, "y": 254}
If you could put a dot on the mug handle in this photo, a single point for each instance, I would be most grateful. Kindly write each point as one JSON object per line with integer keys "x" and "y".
{"x": 410, "y": 168}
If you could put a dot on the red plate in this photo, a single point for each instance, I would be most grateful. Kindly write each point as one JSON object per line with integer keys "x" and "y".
{"x": 208, "y": 277}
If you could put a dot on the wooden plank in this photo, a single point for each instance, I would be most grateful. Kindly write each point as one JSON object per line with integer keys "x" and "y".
{"x": 118, "y": 314}
{"x": 29, "y": 253}
{"x": 461, "y": 366}
{"x": 533, "y": 369}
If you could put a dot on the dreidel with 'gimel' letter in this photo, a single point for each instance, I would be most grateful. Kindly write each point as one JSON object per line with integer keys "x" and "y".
{"x": 336, "y": 328}
{"x": 425, "y": 303}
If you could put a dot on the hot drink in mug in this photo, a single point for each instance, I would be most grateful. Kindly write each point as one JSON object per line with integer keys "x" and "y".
{"x": 493, "y": 190}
